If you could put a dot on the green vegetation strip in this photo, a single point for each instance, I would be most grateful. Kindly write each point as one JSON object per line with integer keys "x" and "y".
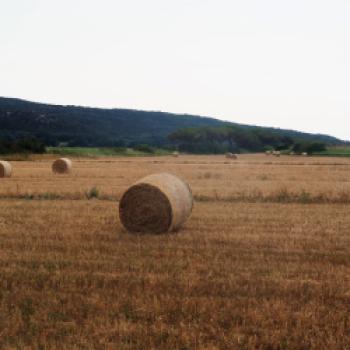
{"x": 281, "y": 196}
{"x": 106, "y": 151}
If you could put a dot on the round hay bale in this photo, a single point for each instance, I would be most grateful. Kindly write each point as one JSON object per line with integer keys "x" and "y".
{"x": 230, "y": 155}
{"x": 158, "y": 203}
{"x": 276, "y": 153}
{"x": 304, "y": 154}
{"x": 268, "y": 153}
{"x": 5, "y": 169}
{"x": 62, "y": 166}
{"x": 176, "y": 154}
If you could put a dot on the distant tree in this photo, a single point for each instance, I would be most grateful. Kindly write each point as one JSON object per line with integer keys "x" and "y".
{"x": 30, "y": 145}
{"x": 24, "y": 145}
{"x": 144, "y": 148}
{"x": 315, "y": 147}
{"x": 309, "y": 147}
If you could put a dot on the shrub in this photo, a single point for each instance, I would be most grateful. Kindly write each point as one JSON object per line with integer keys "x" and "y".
{"x": 93, "y": 193}
{"x": 144, "y": 148}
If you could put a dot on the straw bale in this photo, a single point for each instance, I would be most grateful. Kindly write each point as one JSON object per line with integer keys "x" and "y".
{"x": 230, "y": 155}
{"x": 62, "y": 166}
{"x": 157, "y": 203}
{"x": 5, "y": 169}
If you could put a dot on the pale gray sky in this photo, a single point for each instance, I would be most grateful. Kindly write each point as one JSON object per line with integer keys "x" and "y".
{"x": 282, "y": 63}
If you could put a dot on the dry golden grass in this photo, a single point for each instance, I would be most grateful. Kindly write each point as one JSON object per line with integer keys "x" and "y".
{"x": 251, "y": 178}
{"x": 253, "y": 268}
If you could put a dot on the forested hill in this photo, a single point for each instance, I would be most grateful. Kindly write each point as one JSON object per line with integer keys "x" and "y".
{"x": 82, "y": 126}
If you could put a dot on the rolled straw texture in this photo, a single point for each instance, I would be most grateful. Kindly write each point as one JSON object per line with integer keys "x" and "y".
{"x": 231, "y": 155}
{"x": 5, "y": 169}
{"x": 157, "y": 203}
{"x": 62, "y": 166}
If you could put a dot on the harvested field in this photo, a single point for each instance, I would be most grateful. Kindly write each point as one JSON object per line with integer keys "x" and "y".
{"x": 251, "y": 178}
{"x": 263, "y": 262}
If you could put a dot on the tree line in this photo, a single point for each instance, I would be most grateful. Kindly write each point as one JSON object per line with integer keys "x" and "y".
{"x": 238, "y": 139}
{"x": 204, "y": 140}
{"x": 21, "y": 145}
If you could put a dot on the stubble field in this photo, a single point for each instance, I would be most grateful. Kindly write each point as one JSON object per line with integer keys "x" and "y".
{"x": 262, "y": 263}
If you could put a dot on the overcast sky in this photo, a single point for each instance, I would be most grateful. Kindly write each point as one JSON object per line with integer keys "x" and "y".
{"x": 282, "y": 63}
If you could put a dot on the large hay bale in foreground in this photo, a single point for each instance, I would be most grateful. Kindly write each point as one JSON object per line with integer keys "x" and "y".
{"x": 157, "y": 203}
{"x": 62, "y": 166}
{"x": 5, "y": 169}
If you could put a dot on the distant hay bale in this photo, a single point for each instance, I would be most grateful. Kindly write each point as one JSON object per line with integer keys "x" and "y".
{"x": 158, "y": 203}
{"x": 268, "y": 153}
{"x": 62, "y": 166}
{"x": 230, "y": 155}
{"x": 5, "y": 169}
{"x": 305, "y": 154}
{"x": 276, "y": 153}
{"x": 176, "y": 154}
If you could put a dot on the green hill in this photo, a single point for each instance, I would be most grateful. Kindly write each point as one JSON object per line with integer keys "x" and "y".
{"x": 97, "y": 127}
